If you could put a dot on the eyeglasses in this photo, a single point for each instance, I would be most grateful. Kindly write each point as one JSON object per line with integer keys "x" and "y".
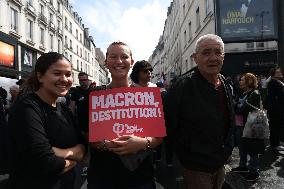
{"x": 146, "y": 70}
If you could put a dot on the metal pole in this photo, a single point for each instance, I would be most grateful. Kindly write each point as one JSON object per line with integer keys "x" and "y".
{"x": 280, "y": 18}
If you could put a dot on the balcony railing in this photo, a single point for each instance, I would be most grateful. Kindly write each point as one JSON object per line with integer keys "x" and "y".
{"x": 30, "y": 7}
{"x": 42, "y": 18}
{"x": 14, "y": 27}
{"x": 52, "y": 25}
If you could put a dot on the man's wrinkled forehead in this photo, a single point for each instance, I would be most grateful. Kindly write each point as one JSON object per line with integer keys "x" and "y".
{"x": 212, "y": 45}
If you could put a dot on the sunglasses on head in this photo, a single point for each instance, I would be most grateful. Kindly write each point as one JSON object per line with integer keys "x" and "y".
{"x": 146, "y": 70}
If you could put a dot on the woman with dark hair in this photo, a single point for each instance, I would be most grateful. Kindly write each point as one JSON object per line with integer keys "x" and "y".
{"x": 45, "y": 144}
{"x": 250, "y": 96}
{"x": 141, "y": 74}
{"x": 275, "y": 107}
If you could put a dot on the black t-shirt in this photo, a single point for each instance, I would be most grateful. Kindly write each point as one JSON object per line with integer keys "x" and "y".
{"x": 81, "y": 98}
{"x": 106, "y": 168}
{"x": 35, "y": 127}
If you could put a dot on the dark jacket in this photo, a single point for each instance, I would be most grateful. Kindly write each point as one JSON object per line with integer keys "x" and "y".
{"x": 275, "y": 98}
{"x": 195, "y": 123}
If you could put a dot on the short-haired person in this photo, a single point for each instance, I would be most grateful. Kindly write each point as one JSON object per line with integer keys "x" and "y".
{"x": 199, "y": 117}
{"x": 106, "y": 170}
{"x": 275, "y": 107}
{"x": 250, "y": 96}
{"x": 44, "y": 141}
{"x": 141, "y": 74}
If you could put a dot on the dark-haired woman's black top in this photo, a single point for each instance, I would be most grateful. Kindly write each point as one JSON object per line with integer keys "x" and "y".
{"x": 34, "y": 128}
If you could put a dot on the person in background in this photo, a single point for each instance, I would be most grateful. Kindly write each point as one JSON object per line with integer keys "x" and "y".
{"x": 275, "y": 107}
{"x": 3, "y": 133}
{"x": 141, "y": 74}
{"x": 14, "y": 91}
{"x": 107, "y": 170}
{"x": 199, "y": 117}
{"x": 45, "y": 143}
{"x": 248, "y": 84}
{"x": 168, "y": 147}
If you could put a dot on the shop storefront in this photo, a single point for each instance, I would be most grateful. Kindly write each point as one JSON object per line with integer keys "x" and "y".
{"x": 8, "y": 56}
{"x": 255, "y": 62}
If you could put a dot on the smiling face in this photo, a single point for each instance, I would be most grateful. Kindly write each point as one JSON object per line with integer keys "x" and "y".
{"x": 209, "y": 57}
{"x": 57, "y": 79}
{"x": 119, "y": 61}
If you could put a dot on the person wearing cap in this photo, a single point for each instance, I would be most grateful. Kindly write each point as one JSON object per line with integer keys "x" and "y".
{"x": 141, "y": 74}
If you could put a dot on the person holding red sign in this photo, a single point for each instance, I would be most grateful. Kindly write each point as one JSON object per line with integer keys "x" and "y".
{"x": 108, "y": 165}
{"x": 44, "y": 141}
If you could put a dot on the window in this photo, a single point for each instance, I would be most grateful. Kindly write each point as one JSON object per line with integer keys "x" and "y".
{"x": 189, "y": 31}
{"x": 184, "y": 35}
{"x": 71, "y": 44}
{"x": 14, "y": 20}
{"x": 59, "y": 46}
{"x": 58, "y": 6}
{"x": 51, "y": 2}
{"x": 30, "y": 2}
{"x": 51, "y": 42}
{"x": 51, "y": 17}
{"x": 41, "y": 9}
{"x": 183, "y": 9}
{"x": 260, "y": 44}
{"x": 80, "y": 37}
{"x": 59, "y": 24}
{"x": 80, "y": 52}
{"x": 66, "y": 26}
{"x": 250, "y": 45}
{"x": 70, "y": 59}
{"x": 66, "y": 44}
{"x": 29, "y": 29}
{"x": 76, "y": 34}
{"x": 77, "y": 49}
{"x": 207, "y": 7}
{"x": 78, "y": 65}
{"x": 70, "y": 27}
{"x": 197, "y": 19}
{"x": 81, "y": 67}
{"x": 42, "y": 37}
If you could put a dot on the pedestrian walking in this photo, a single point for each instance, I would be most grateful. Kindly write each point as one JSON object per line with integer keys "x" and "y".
{"x": 106, "y": 168}
{"x": 44, "y": 142}
{"x": 199, "y": 117}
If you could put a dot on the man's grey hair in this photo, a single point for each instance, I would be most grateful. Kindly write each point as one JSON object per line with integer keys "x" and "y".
{"x": 206, "y": 37}
{"x": 14, "y": 88}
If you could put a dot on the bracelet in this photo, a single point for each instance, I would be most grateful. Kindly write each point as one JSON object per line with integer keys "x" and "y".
{"x": 147, "y": 147}
{"x": 103, "y": 147}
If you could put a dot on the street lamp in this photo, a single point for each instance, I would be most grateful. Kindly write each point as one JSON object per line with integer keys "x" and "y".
{"x": 261, "y": 15}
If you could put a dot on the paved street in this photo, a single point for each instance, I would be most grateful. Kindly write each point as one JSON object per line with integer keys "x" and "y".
{"x": 272, "y": 174}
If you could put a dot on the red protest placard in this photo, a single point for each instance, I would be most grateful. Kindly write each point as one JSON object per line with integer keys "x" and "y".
{"x": 126, "y": 111}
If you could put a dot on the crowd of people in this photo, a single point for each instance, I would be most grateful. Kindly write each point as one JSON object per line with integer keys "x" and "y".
{"x": 47, "y": 136}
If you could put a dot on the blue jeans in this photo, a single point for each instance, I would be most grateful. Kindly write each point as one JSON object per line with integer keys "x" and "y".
{"x": 253, "y": 164}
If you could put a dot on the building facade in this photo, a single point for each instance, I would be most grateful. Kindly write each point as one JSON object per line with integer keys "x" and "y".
{"x": 186, "y": 21}
{"x": 29, "y": 28}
